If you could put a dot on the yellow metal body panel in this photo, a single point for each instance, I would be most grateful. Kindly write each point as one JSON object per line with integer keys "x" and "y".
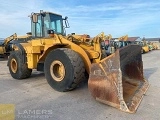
{"x": 38, "y": 49}
{"x": 33, "y": 53}
{"x": 90, "y": 51}
{"x": 2, "y": 50}
{"x": 145, "y": 48}
{"x": 123, "y": 38}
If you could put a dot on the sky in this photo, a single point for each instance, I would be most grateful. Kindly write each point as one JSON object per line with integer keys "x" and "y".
{"x": 116, "y": 17}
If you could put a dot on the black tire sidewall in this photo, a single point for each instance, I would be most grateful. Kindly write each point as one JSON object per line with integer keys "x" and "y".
{"x": 14, "y": 55}
{"x": 59, "y": 55}
{"x": 22, "y": 69}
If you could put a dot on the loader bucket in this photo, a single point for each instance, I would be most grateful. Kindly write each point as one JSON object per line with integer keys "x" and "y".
{"x": 118, "y": 80}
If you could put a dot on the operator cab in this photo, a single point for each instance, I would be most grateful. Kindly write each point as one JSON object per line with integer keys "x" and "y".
{"x": 45, "y": 23}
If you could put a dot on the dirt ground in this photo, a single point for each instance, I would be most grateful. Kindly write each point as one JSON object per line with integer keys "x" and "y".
{"x": 35, "y": 99}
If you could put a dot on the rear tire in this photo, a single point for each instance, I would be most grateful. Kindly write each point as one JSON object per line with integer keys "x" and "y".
{"x": 17, "y": 68}
{"x": 64, "y": 69}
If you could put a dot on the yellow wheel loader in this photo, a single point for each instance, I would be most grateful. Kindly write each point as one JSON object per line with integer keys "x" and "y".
{"x": 6, "y": 45}
{"x": 111, "y": 45}
{"x": 116, "y": 80}
{"x": 145, "y": 47}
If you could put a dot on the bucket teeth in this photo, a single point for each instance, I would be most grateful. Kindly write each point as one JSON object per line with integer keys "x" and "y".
{"x": 118, "y": 80}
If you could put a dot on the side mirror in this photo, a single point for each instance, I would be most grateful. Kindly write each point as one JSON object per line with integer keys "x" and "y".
{"x": 66, "y": 18}
{"x": 35, "y": 18}
{"x": 66, "y": 22}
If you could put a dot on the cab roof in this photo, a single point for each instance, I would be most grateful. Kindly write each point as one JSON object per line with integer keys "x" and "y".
{"x": 49, "y": 13}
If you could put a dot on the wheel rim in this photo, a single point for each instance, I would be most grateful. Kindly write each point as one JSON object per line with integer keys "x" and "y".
{"x": 14, "y": 66}
{"x": 57, "y": 70}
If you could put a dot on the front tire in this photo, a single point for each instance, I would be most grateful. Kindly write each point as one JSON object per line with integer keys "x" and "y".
{"x": 17, "y": 68}
{"x": 64, "y": 69}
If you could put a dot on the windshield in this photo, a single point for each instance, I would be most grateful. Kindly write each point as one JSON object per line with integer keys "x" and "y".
{"x": 53, "y": 22}
{"x": 47, "y": 22}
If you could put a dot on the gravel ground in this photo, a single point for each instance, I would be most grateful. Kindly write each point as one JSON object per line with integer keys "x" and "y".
{"x": 34, "y": 94}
